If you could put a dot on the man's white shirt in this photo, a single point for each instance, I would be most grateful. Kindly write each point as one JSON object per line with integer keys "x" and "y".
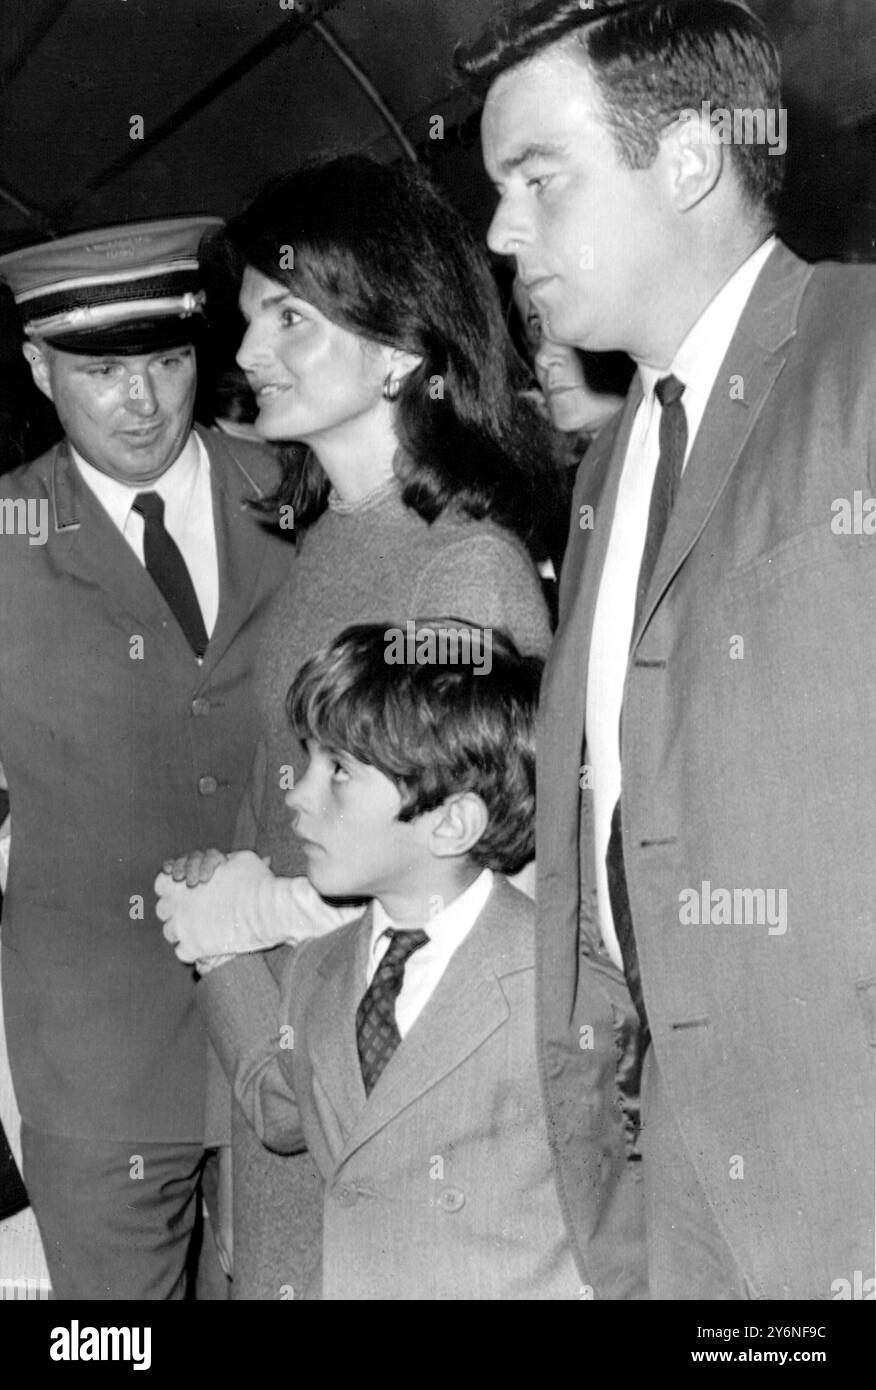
{"x": 696, "y": 365}
{"x": 188, "y": 516}
{"x": 446, "y": 931}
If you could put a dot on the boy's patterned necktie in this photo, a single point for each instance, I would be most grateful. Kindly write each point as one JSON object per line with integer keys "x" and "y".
{"x": 377, "y": 1035}
{"x": 168, "y": 569}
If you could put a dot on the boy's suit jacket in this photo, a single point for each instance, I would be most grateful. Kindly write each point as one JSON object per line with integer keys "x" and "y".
{"x": 749, "y": 762}
{"x": 119, "y": 750}
{"x": 440, "y": 1184}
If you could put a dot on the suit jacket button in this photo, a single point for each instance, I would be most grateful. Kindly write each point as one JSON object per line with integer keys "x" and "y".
{"x": 451, "y": 1199}
{"x": 207, "y": 785}
{"x": 200, "y": 705}
{"x": 345, "y": 1195}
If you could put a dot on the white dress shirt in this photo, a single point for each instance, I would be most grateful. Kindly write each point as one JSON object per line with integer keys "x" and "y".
{"x": 188, "y": 516}
{"x": 696, "y": 365}
{"x": 446, "y": 930}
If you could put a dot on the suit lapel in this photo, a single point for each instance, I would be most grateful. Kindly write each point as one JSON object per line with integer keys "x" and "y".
{"x": 331, "y": 1022}
{"x": 561, "y": 734}
{"x": 468, "y": 1005}
{"x": 597, "y": 486}
{"x": 756, "y": 358}
{"x": 87, "y": 544}
{"x": 756, "y": 354}
{"x": 241, "y": 541}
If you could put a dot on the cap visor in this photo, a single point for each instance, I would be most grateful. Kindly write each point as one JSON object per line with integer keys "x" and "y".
{"x": 131, "y": 339}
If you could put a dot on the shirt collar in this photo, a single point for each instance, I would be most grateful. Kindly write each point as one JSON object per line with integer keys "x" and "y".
{"x": 117, "y": 497}
{"x": 698, "y": 359}
{"x": 447, "y": 928}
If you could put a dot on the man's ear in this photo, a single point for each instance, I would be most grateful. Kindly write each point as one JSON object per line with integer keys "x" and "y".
{"x": 458, "y": 824}
{"x": 38, "y": 361}
{"x": 694, "y": 153}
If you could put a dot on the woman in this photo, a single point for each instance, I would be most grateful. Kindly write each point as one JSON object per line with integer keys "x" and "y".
{"x": 375, "y": 341}
{"x": 580, "y": 390}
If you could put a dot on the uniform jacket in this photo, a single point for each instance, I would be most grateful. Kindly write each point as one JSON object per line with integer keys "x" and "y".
{"x": 749, "y": 764}
{"x": 439, "y": 1185}
{"x": 119, "y": 750}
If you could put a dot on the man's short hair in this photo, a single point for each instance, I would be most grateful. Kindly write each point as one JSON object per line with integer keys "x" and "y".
{"x": 652, "y": 60}
{"x": 434, "y": 729}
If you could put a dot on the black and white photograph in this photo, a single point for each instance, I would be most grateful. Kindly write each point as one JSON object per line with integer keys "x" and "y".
{"x": 437, "y": 665}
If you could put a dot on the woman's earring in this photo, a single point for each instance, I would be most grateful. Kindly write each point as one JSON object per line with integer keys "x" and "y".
{"x": 391, "y": 387}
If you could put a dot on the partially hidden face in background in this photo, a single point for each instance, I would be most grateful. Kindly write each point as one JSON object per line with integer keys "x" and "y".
{"x": 572, "y": 404}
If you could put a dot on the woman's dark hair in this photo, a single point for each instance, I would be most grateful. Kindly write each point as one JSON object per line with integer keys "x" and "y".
{"x": 377, "y": 250}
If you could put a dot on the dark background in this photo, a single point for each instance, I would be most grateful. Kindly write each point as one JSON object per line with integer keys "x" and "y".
{"x": 234, "y": 91}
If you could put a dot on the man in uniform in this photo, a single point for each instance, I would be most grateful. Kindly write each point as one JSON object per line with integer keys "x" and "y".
{"x": 133, "y": 580}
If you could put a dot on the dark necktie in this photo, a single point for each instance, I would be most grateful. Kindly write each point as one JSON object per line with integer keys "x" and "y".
{"x": 673, "y": 443}
{"x": 168, "y": 569}
{"x": 377, "y": 1035}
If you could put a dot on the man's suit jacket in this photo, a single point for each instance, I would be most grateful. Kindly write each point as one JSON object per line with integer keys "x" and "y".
{"x": 440, "y": 1184}
{"x": 119, "y": 749}
{"x": 748, "y": 763}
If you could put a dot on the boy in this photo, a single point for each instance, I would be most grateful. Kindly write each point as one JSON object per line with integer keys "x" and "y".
{"x": 401, "y": 1048}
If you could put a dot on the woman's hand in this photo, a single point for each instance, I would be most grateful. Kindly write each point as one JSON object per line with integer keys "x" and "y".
{"x": 242, "y": 908}
{"x": 210, "y": 918}
{"x": 197, "y": 867}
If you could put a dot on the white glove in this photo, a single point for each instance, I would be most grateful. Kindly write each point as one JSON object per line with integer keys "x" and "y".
{"x": 242, "y": 908}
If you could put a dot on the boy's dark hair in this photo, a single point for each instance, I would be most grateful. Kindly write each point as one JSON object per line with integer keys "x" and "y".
{"x": 651, "y": 60}
{"x": 433, "y": 729}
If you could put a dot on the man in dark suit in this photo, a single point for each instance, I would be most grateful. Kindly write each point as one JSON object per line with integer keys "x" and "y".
{"x": 706, "y": 762}
{"x": 133, "y": 580}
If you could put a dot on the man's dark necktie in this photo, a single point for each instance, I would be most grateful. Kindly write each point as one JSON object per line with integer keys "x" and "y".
{"x": 377, "y": 1035}
{"x": 168, "y": 569}
{"x": 673, "y": 443}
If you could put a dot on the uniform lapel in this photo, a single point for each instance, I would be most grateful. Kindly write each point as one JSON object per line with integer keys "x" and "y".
{"x": 241, "y": 541}
{"x": 87, "y": 544}
{"x": 756, "y": 356}
{"x": 468, "y": 1005}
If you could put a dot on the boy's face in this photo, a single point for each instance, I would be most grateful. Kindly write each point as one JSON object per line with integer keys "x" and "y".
{"x": 346, "y": 817}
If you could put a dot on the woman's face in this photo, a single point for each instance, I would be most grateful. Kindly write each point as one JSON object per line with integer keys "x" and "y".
{"x": 560, "y": 373}
{"x": 312, "y": 379}
{"x": 570, "y": 402}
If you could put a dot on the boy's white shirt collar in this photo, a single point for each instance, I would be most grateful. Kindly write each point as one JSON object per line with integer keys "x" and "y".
{"x": 446, "y": 931}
